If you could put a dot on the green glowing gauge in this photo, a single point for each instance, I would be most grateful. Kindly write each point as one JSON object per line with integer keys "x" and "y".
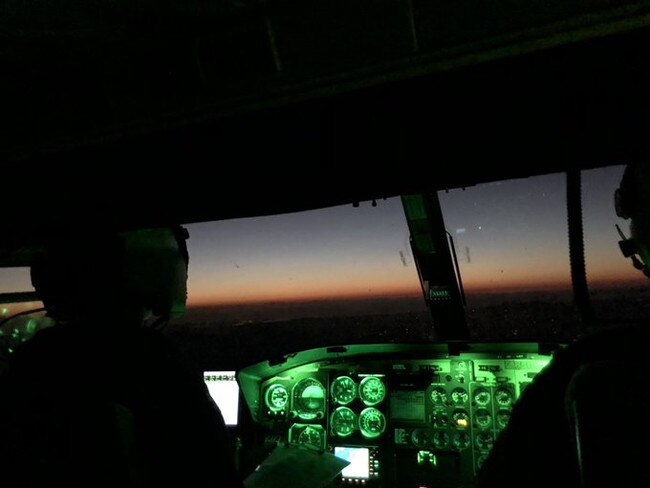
{"x": 461, "y": 440}
{"x": 372, "y": 390}
{"x": 309, "y": 399}
{"x": 503, "y": 417}
{"x": 372, "y": 423}
{"x": 459, "y": 396}
{"x": 482, "y": 418}
{"x": 484, "y": 441}
{"x": 276, "y": 397}
{"x": 460, "y": 418}
{"x": 440, "y": 440}
{"x": 343, "y": 390}
{"x": 438, "y": 395}
{"x": 440, "y": 419}
{"x": 482, "y": 397}
{"x": 421, "y": 438}
{"x": 312, "y": 436}
{"x": 503, "y": 397}
{"x": 343, "y": 422}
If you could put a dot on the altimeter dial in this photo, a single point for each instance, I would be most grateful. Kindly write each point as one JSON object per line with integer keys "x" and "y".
{"x": 372, "y": 390}
{"x": 343, "y": 390}
{"x": 343, "y": 422}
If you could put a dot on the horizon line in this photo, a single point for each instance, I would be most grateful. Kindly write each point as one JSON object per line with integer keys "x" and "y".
{"x": 598, "y": 285}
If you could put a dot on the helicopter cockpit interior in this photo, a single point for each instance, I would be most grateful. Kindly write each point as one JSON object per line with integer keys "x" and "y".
{"x": 399, "y": 211}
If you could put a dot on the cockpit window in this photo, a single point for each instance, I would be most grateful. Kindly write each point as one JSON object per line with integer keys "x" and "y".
{"x": 510, "y": 236}
{"x": 619, "y": 293}
{"x": 335, "y": 275}
{"x": 15, "y": 279}
{"x": 347, "y": 274}
{"x": 17, "y": 324}
{"x": 324, "y": 277}
{"x": 512, "y": 246}
{"x": 353, "y": 266}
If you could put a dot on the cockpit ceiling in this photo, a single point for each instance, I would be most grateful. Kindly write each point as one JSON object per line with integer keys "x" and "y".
{"x": 242, "y": 111}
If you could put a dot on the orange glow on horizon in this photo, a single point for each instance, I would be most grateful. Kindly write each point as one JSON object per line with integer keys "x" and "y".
{"x": 407, "y": 292}
{"x": 276, "y": 295}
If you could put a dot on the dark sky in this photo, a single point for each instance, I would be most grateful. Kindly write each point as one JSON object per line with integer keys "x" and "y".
{"x": 513, "y": 234}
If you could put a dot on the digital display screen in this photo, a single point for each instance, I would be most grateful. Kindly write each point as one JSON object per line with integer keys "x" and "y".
{"x": 359, "y": 458}
{"x": 407, "y": 405}
{"x": 224, "y": 390}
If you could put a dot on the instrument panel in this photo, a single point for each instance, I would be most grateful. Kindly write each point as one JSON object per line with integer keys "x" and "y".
{"x": 402, "y": 414}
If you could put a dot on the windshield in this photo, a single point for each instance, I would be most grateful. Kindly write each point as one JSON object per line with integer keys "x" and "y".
{"x": 347, "y": 274}
{"x": 335, "y": 261}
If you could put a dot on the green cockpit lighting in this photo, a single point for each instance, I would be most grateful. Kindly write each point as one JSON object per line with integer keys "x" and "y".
{"x": 276, "y": 398}
{"x": 372, "y": 423}
{"x": 427, "y": 457}
{"x": 372, "y": 390}
{"x": 309, "y": 399}
{"x": 343, "y": 422}
{"x": 30, "y": 327}
{"x": 309, "y": 435}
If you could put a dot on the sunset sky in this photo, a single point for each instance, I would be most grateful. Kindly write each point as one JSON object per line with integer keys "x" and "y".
{"x": 509, "y": 236}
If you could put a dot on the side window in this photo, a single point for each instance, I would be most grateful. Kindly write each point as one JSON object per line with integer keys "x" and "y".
{"x": 619, "y": 292}
{"x": 15, "y": 280}
{"x": 16, "y": 326}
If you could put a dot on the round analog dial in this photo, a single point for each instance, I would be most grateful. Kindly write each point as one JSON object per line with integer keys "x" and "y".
{"x": 503, "y": 416}
{"x": 459, "y": 396}
{"x": 420, "y": 438}
{"x": 460, "y": 418}
{"x": 440, "y": 419}
{"x": 484, "y": 441}
{"x": 503, "y": 397}
{"x": 343, "y": 390}
{"x": 311, "y": 436}
{"x": 482, "y": 418}
{"x": 438, "y": 395}
{"x": 461, "y": 440}
{"x": 343, "y": 422}
{"x": 309, "y": 399}
{"x": 482, "y": 396}
{"x": 276, "y": 397}
{"x": 440, "y": 440}
{"x": 372, "y": 390}
{"x": 372, "y": 423}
